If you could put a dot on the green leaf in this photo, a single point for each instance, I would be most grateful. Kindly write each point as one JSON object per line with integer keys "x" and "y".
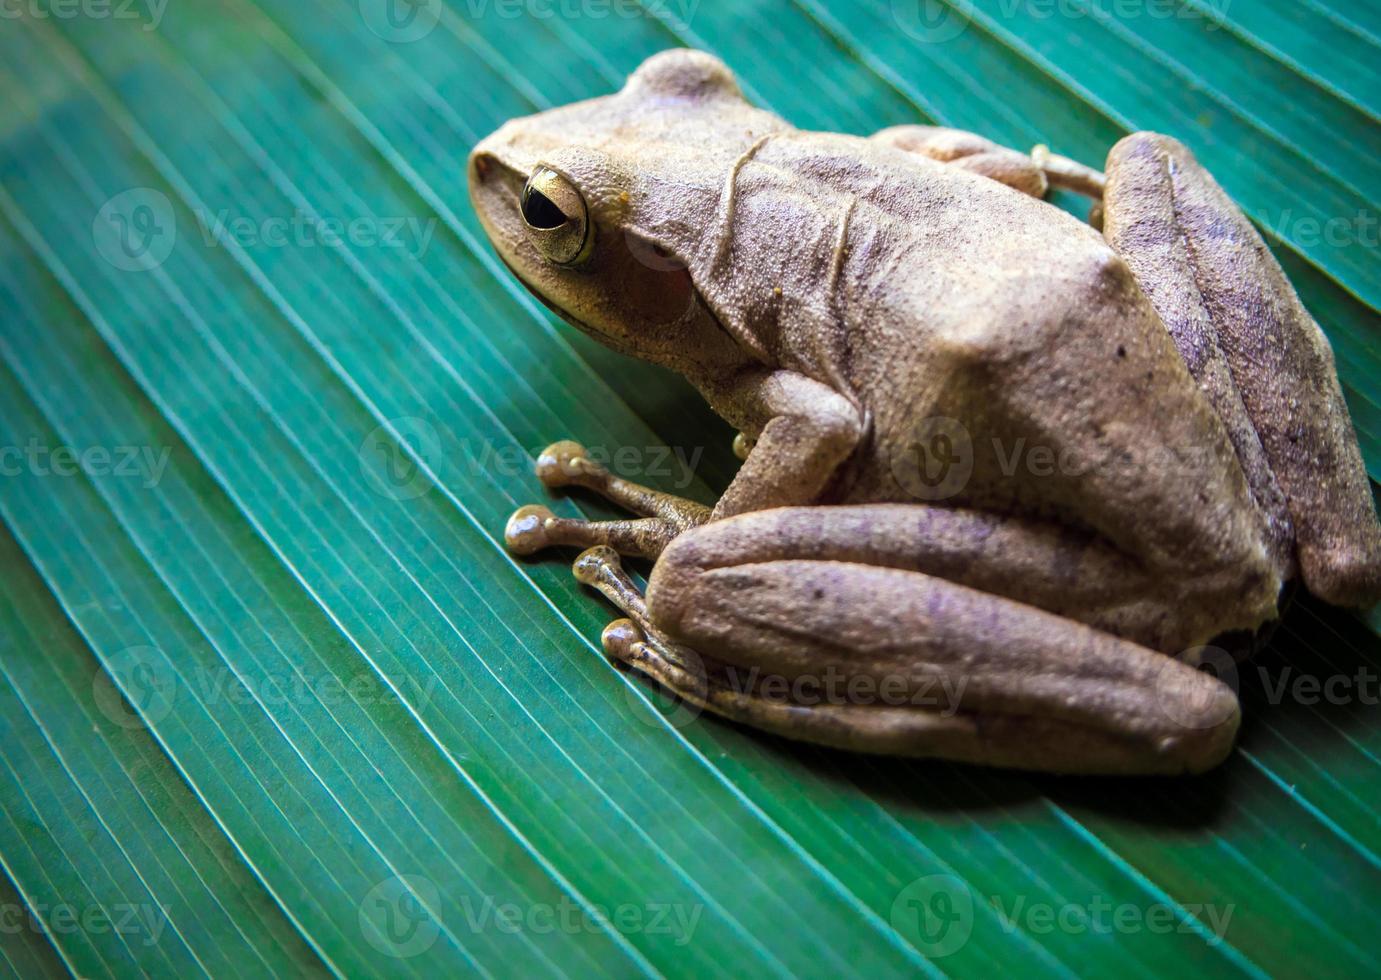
{"x": 275, "y": 685}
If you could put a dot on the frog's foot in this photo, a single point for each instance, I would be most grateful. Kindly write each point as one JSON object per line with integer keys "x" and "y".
{"x": 635, "y": 641}
{"x": 1034, "y": 173}
{"x": 969, "y": 151}
{"x": 1073, "y": 176}
{"x": 1258, "y": 356}
{"x": 1069, "y": 174}
{"x": 638, "y": 644}
{"x": 568, "y": 464}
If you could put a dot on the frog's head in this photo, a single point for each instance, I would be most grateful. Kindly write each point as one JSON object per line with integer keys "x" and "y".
{"x": 604, "y": 208}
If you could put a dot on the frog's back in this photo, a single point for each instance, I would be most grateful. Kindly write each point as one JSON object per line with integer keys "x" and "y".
{"x": 945, "y": 295}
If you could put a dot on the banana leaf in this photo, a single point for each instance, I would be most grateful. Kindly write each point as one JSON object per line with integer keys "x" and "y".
{"x": 274, "y": 697}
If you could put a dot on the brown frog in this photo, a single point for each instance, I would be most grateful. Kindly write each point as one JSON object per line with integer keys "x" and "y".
{"x": 1005, "y": 473}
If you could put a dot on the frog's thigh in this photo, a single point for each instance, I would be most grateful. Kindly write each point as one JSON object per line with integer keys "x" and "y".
{"x": 1256, "y": 352}
{"x": 901, "y": 662}
{"x": 1079, "y": 576}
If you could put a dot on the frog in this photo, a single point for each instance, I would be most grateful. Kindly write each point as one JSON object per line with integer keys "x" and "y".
{"x": 900, "y": 326}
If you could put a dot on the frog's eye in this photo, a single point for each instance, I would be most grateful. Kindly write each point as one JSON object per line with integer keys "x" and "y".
{"x": 557, "y": 220}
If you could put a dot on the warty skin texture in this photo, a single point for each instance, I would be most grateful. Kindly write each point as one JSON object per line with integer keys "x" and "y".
{"x": 842, "y": 301}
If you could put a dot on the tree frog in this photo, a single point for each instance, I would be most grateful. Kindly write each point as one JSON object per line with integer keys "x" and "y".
{"x": 1006, "y": 473}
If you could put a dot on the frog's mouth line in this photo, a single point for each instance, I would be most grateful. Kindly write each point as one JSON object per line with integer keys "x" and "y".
{"x": 536, "y": 293}
{"x": 608, "y": 339}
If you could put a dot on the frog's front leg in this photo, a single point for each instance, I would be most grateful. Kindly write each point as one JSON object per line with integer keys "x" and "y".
{"x": 772, "y": 619}
{"x": 801, "y": 431}
{"x": 805, "y": 430}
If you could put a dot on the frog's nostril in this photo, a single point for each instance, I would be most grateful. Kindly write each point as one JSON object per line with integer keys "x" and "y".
{"x": 540, "y": 211}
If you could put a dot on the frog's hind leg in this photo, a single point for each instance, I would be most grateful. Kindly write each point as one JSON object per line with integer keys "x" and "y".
{"x": 1257, "y": 355}
{"x": 897, "y": 661}
{"x": 637, "y": 643}
{"x": 1033, "y": 174}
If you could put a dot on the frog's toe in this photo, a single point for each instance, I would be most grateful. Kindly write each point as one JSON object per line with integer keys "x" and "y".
{"x": 596, "y": 565}
{"x": 563, "y": 464}
{"x": 620, "y": 639}
{"x": 527, "y": 530}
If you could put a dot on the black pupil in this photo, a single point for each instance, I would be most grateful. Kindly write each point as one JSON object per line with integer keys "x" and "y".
{"x": 540, "y": 212}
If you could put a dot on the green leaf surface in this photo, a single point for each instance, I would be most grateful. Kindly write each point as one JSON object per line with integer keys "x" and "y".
{"x": 277, "y": 688}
